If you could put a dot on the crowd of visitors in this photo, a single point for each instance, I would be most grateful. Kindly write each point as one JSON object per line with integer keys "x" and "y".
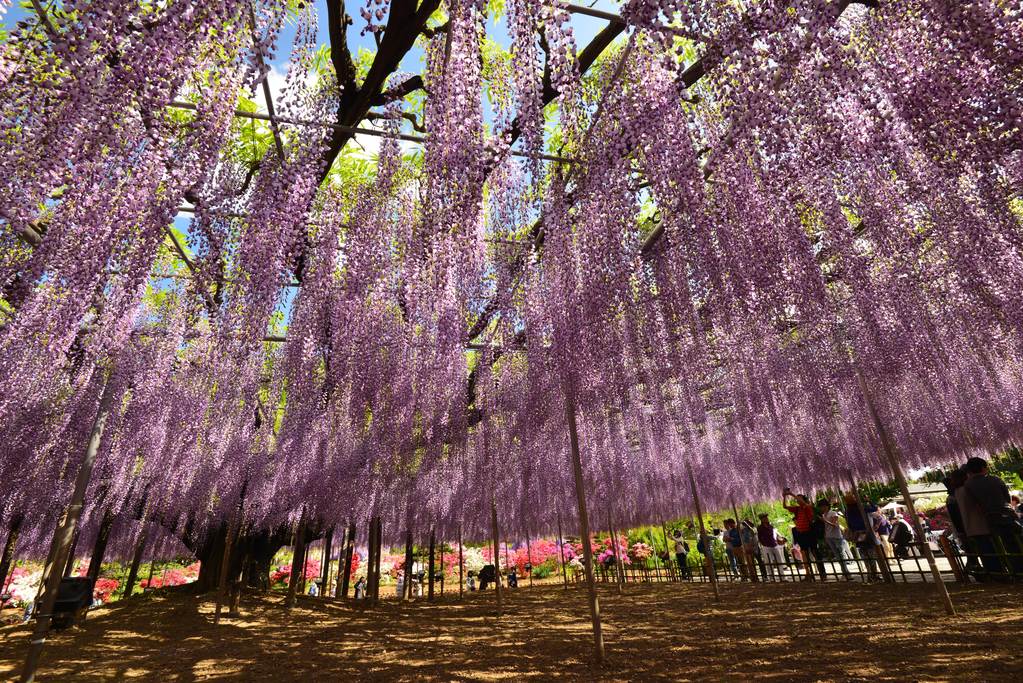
{"x": 987, "y": 522}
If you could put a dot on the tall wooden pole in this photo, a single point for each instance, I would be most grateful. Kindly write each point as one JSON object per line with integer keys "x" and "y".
{"x": 619, "y": 565}
{"x": 584, "y": 524}
{"x": 708, "y": 553}
{"x": 461, "y": 563}
{"x": 497, "y": 556}
{"x": 900, "y": 478}
{"x": 71, "y": 554}
{"x": 529, "y": 561}
{"x": 561, "y": 550}
{"x": 328, "y": 548}
{"x": 13, "y": 530}
{"x": 376, "y": 559}
{"x": 429, "y": 583}
{"x": 442, "y": 568}
{"x": 406, "y": 587}
{"x": 65, "y": 530}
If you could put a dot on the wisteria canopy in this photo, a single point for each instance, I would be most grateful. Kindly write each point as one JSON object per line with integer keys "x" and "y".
{"x": 717, "y": 228}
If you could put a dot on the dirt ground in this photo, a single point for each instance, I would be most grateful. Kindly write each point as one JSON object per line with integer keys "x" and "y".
{"x": 653, "y": 632}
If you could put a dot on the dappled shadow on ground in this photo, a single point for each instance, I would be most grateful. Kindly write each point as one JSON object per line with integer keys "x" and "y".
{"x": 654, "y": 631}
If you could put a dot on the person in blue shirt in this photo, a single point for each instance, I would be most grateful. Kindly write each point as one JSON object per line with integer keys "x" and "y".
{"x": 733, "y": 547}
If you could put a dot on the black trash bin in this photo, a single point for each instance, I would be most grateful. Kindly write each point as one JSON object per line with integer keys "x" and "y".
{"x": 74, "y": 596}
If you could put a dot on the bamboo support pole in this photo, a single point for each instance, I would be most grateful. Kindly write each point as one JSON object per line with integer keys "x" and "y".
{"x": 707, "y": 551}
{"x": 561, "y": 550}
{"x": 619, "y": 565}
{"x": 406, "y": 588}
{"x": 64, "y": 531}
{"x": 529, "y": 561}
{"x": 584, "y": 525}
{"x": 431, "y": 566}
{"x": 461, "y": 564}
{"x": 497, "y": 556}
{"x": 900, "y": 478}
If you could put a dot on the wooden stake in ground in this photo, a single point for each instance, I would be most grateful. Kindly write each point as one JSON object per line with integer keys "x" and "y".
{"x": 670, "y": 567}
{"x": 584, "y": 525}
{"x": 708, "y": 553}
{"x": 64, "y": 531}
{"x": 461, "y": 564}
{"x": 561, "y": 551}
{"x": 13, "y": 530}
{"x": 442, "y": 569}
{"x": 497, "y": 556}
{"x": 900, "y": 478}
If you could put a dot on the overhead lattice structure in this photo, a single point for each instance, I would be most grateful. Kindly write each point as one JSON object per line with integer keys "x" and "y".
{"x": 719, "y": 229}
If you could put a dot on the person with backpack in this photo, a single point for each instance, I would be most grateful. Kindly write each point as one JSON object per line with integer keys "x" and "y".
{"x": 682, "y": 554}
{"x": 902, "y": 537}
{"x": 834, "y": 536}
{"x": 806, "y": 531}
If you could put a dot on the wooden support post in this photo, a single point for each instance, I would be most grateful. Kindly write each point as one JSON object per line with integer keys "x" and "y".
{"x": 497, "y": 556}
{"x": 619, "y": 565}
{"x": 900, "y": 478}
{"x": 71, "y": 554}
{"x": 375, "y": 559}
{"x": 442, "y": 568}
{"x": 461, "y": 564}
{"x": 707, "y": 551}
{"x": 529, "y": 561}
{"x": 429, "y": 580}
{"x": 297, "y": 562}
{"x": 65, "y": 530}
{"x": 99, "y": 548}
{"x": 584, "y": 525}
{"x": 380, "y": 550}
{"x": 561, "y": 551}
{"x": 406, "y": 589}
{"x": 670, "y": 567}
{"x": 13, "y": 530}
{"x": 328, "y": 548}
{"x": 345, "y": 576}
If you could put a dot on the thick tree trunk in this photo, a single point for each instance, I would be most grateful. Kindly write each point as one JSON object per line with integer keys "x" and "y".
{"x": 297, "y": 564}
{"x": 136, "y": 561}
{"x": 100, "y": 548}
{"x": 346, "y": 575}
